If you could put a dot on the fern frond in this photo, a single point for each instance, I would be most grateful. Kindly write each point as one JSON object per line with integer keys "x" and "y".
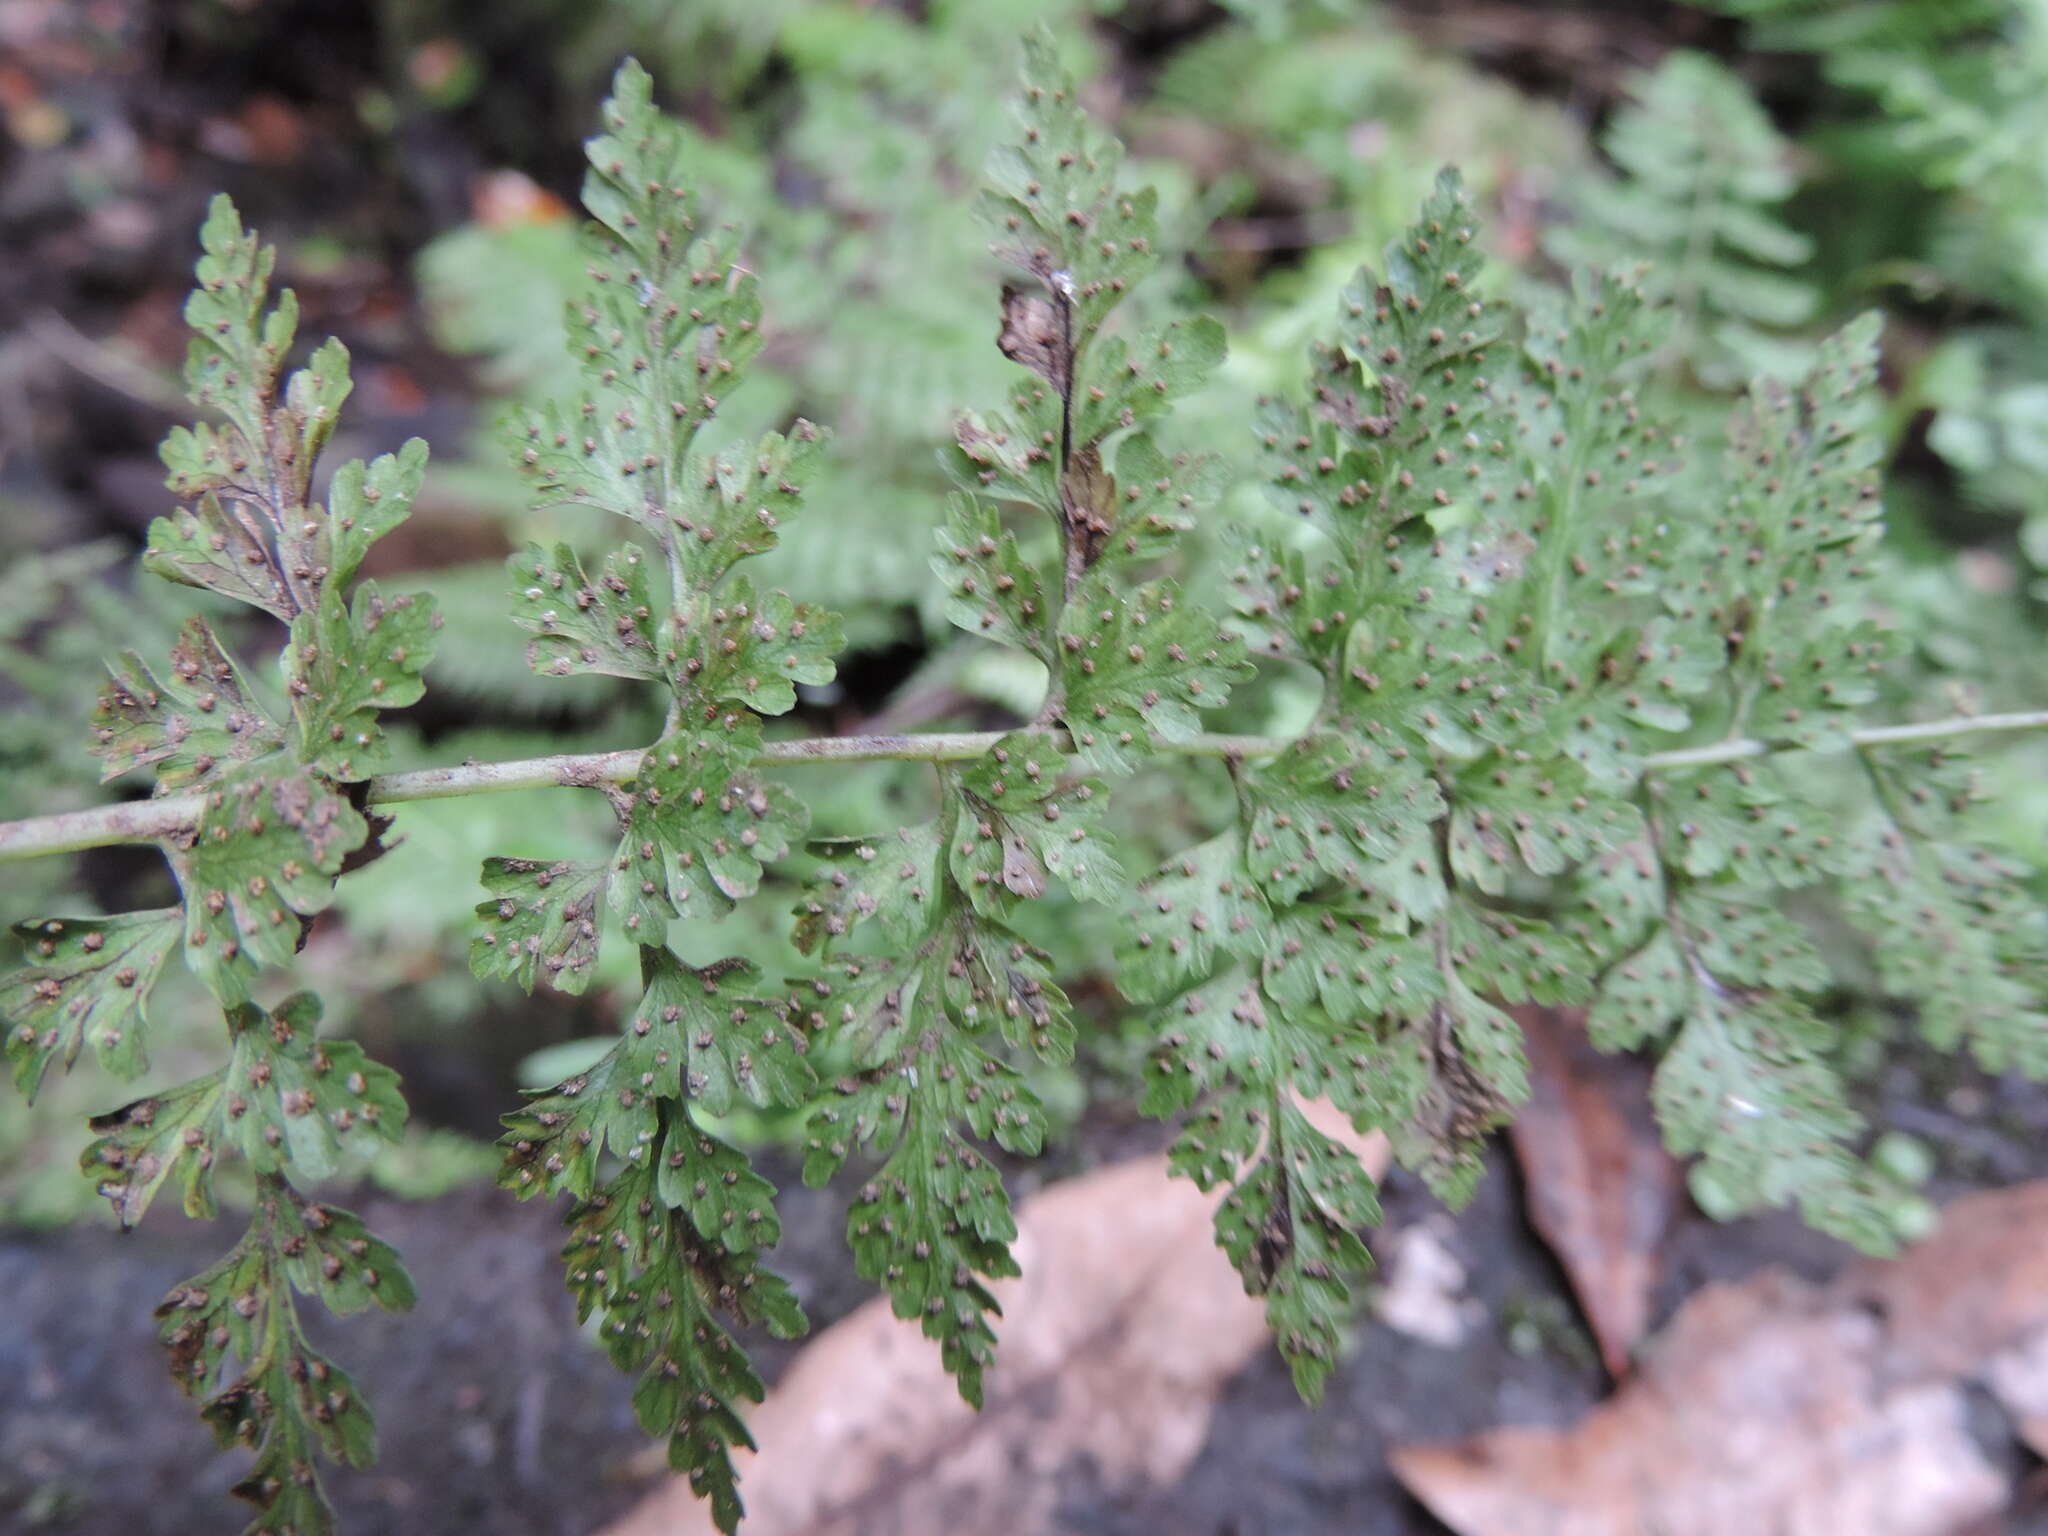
{"x": 1702, "y": 173}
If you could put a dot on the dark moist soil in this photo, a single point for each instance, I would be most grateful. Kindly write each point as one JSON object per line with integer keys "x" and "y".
{"x": 496, "y": 1412}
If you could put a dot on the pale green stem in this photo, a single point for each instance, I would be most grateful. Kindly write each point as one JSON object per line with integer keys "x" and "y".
{"x": 149, "y": 821}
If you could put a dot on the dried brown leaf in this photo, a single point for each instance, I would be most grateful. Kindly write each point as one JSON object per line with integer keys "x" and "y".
{"x": 1117, "y": 1340}
{"x": 1783, "y": 1406}
{"x": 1972, "y": 1301}
{"x": 1601, "y": 1188}
{"x": 1765, "y": 1408}
{"x": 1034, "y": 334}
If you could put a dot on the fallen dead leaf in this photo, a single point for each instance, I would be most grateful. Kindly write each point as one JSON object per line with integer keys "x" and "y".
{"x": 1763, "y": 1409}
{"x": 1783, "y": 1406}
{"x": 1972, "y": 1301}
{"x": 1116, "y": 1340}
{"x": 1601, "y": 1188}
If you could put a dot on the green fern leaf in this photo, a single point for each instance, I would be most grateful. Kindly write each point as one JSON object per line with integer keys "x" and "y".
{"x": 202, "y": 724}
{"x": 1340, "y": 959}
{"x": 663, "y": 329}
{"x": 661, "y": 1287}
{"x": 1201, "y": 906}
{"x": 143, "y": 1143}
{"x": 992, "y": 589}
{"x": 89, "y": 978}
{"x": 1514, "y": 957}
{"x": 933, "y": 1225}
{"x": 732, "y": 1048}
{"x": 1803, "y": 513}
{"x": 291, "y": 1100}
{"x": 261, "y": 861}
{"x": 1301, "y": 603}
{"x": 1328, "y": 810}
{"x": 1745, "y": 821}
{"x": 1156, "y": 500}
{"x": 755, "y": 648}
{"x": 1054, "y": 199}
{"x": 1026, "y": 814}
{"x": 891, "y": 879}
{"x": 699, "y": 826}
{"x": 352, "y": 663}
{"x": 1138, "y": 662}
{"x": 1402, "y": 424}
{"x": 1951, "y": 926}
{"x": 739, "y": 498}
{"x": 1745, "y": 1087}
{"x": 604, "y": 623}
{"x": 1291, "y": 1227}
{"x": 367, "y": 501}
{"x": 1516, "y": 813}
{"x": 250, "y": 528}
{"x": 541, "y": 923}
{"x": 290, "y": 1403}
{"x": 1121, "y": 384}
{"x": 698, "y": 1034}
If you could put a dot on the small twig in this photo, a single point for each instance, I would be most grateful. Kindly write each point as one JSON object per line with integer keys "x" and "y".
{"x": 105, "y": 365}
{"x": 149, "y": 821}
{"x": 1874, "y": 736}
